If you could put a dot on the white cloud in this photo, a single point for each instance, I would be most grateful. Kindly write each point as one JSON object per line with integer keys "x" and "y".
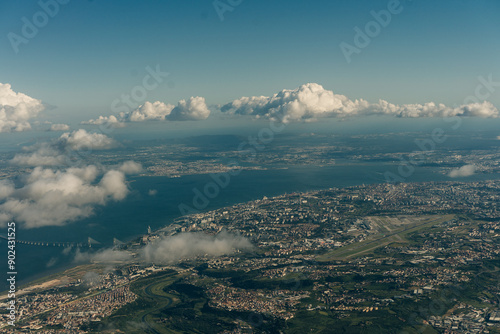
{"x": 17, "y": 109}
{"x": 59, "y": 127}
{"x": 81, "y": 139}
{"x": 189, "y": 245}
{"x": 463, "y": 171}
{"x": 172, "y": 249}
{"x": 193, "y": 109}
{"x": 6, "y": 188}
{"x": 484, "y": 109}
{"x": 156, "y": 111}
{"x": 130, "y": 167}
{"x": 59, "y": 152}
{"x": 108, "y": 120}
{"x": 306, "y": 102}
{"x": 431, "y": 109}
{"x": 312, "y": 101}
{"x": 54, "y": 198}
{"x": 113, "y": 183}
{"x": 43, "y": 154}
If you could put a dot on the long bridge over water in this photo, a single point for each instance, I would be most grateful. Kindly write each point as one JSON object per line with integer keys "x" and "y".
{"x": 90, "y": 243}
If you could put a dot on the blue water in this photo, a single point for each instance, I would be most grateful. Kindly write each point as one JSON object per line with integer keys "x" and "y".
{"x": 131, "y": 217}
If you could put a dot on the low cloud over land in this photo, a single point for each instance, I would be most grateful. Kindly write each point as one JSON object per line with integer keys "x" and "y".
{"x": 168, "y": 250}
{"x": 55, "y": 197}
{"x": 83, "y": 140}
{"x": 188, "y": 245}
{"x": 58, "y": 152}
{"x": 463, "y": 171}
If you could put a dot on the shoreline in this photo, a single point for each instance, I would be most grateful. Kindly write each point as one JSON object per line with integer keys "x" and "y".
{"x": 58, "y": 274}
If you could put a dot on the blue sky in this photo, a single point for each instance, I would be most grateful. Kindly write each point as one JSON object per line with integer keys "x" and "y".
{"x": 90, "y": 52}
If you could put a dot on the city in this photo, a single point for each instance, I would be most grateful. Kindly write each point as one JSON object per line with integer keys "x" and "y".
{"x": 415, "y": 255}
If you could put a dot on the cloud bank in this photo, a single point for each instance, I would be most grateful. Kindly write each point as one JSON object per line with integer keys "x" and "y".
{"x": 54, "y": 198}
{"x": 189, "y": 245}
{"x": 311, "y": 101}
{"x": 463, "y": 171}
{"x": 17, "y": 109}
{"x": 193, "y": 109}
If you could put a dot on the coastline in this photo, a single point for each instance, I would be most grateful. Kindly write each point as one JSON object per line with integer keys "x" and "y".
{"x": 57, "y": 276}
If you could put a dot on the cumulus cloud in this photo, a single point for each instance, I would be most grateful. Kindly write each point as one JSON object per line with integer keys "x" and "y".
{"x": 17, "y": 109}
{"x": 484, "y": 109}
{"x": 108, "y": 120}
{"x": 43, "y": 154}
{"x": 193, "y": 109}
{"x": 81, "y": 139}
{"x": 54, "y": 198}
{"x": 189, "y": 245}
{"x": 463, "y": 171}
{"x": 156, "y": 111}
{"x": 59, "y": 127}
{"x": 130, "y": 167}
{"x": 311, "y": 101}
{"x": 58, "y": 152}
{"x": 6, "y": 188}
{"x": 306, "y": 102}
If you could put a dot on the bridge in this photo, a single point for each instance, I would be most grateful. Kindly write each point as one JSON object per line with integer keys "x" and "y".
{"x": 117, "y": 244}
{"x": 90, "y": 242}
